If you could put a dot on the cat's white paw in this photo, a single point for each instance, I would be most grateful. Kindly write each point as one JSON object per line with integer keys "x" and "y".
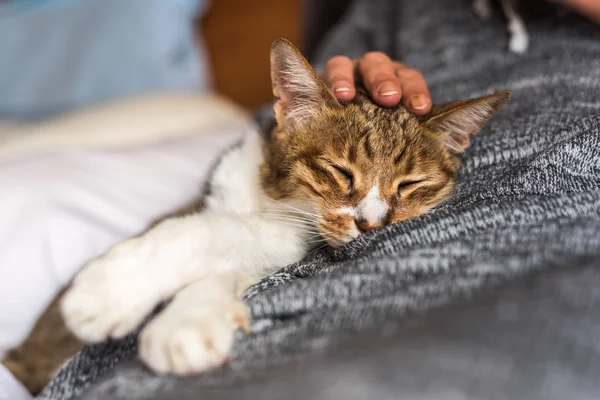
{"x": 184, "y": 341}
{"x": 108, "y": 297}
{"x": 483, "y": 9}
{"x": 519, "y": 42}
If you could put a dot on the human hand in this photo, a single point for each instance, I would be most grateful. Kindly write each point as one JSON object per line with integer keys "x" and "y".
{"x": 387, "y": 81}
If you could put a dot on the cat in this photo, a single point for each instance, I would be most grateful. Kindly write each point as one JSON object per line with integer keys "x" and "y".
{"x": 519, "y": 38}
{"x": 326, "y": 173}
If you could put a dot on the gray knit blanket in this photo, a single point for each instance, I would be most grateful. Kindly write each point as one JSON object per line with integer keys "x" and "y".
{"x": 493, "y": 295}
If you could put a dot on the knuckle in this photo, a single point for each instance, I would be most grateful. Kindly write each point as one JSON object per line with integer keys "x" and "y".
{"x": 383, "y": 77}
{"x": 337, "y": 61}
{"x": 337, "y": 77}
{"x": 376, "y": 56}
{"x": 409, "y": 73}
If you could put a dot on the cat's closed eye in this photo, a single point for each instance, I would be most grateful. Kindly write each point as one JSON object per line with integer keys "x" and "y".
{"x": 406, "y": 186}
{"x": 346, "y": 176}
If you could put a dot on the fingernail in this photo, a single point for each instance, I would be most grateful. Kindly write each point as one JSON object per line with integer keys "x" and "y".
{"x": 418, "y": 102}
{"x": 341, "y": 87}
{"x": 387, "y": 89}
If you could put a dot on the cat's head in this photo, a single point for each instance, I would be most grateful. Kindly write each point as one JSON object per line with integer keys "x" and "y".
{"x": 362, "y": 166}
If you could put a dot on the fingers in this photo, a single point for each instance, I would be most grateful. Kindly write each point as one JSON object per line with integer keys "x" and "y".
{"x": 377, "y": 72}
{"x": 386, "y": 81}
{"x": 339, "y": 75}
{"x": 415, "y": 95}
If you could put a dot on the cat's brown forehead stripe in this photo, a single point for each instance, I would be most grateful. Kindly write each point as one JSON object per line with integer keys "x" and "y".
{"x": 383, "y": 131}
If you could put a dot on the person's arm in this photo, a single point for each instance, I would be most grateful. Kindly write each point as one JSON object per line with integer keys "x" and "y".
{"x": 589, "y": 8}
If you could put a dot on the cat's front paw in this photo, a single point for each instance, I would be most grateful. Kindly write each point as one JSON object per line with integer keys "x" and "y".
{"x": 108, "y": 297}
{"x": 192, "y": 340}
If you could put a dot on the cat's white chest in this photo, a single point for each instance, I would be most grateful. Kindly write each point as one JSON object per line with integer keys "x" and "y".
{"x": 206, "y": 260}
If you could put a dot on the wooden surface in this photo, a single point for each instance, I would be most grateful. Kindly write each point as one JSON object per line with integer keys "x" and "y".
{"x": 238, "y": 35}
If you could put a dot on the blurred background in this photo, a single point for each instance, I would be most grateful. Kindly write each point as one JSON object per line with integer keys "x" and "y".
{"x": 238, "y": 34}
{"x": 60, "y": 55}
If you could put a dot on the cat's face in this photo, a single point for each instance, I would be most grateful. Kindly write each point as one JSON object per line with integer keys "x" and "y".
{"x": 360, "y": 165}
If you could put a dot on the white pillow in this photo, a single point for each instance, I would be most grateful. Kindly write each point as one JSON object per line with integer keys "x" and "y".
{"x": 73, "y": 187}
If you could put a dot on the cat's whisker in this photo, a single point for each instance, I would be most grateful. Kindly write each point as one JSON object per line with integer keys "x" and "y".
{"x": 304, "y": 221}
{"x": 293, "y": 208}
{"x": 295, "y": 217}
{"x": 316, "y": 241}
{"x": 316, "y": 236}
{"x": 307, "y": 224}
{"x": 321, "y": 247}
{"x": 301, "y": 228}
{"x": 298, "y": 213}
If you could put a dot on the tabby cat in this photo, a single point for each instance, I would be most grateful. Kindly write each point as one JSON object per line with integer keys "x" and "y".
{"x": 327, "y": 172}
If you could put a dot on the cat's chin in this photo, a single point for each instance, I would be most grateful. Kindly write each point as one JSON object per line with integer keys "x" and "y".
{"x": 338, "y": 235}
{"x": 338, "y": 242}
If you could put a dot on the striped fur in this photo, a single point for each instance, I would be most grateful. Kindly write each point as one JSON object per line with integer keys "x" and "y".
{"x": 334, "y": 153}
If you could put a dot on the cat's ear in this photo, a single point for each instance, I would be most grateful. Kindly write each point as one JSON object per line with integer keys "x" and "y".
{"x": 300, "y": 94}
{"x": 460, "y": 120}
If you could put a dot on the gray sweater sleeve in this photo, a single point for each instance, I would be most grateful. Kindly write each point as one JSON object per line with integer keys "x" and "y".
{"x": 356, "y": 33}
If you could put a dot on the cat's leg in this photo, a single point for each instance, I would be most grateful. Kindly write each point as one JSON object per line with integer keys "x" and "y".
{"x": 113, "y": 294}
{"x": 519, "y": 38}
{"x": 482, "y": 8}
{"x": 195, "y": 332}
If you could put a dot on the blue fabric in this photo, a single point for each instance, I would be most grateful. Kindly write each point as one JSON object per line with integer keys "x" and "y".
{"x": 56, "y": 55}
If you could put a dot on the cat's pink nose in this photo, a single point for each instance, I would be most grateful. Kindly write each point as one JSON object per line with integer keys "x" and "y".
{"x": 364, "y": 225}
